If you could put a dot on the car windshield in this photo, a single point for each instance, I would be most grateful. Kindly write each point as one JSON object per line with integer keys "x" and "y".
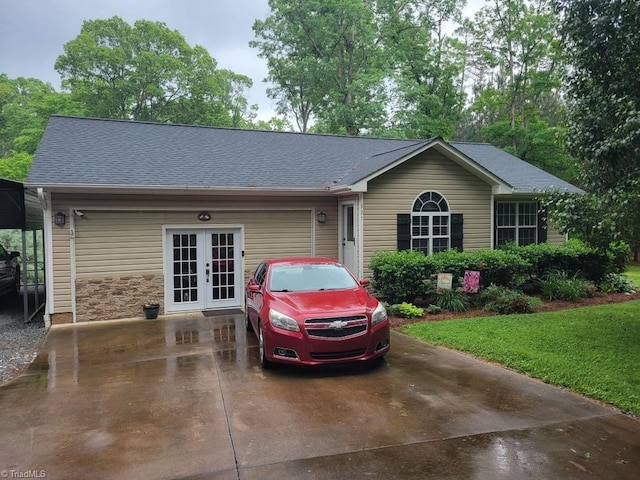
{"x": 310, "y": 277}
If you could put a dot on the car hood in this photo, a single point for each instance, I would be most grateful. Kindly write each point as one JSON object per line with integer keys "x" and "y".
{"x": 326, "y": 302}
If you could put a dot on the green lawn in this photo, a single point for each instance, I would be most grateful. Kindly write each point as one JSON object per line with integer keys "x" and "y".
{"x": 633, "y": 272}
{"x": 591, "y": 350}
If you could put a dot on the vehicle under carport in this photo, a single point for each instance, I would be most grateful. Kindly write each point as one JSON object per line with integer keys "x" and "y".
{"x": 20, "y": 209}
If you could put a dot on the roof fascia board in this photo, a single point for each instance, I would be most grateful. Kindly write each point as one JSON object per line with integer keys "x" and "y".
{"x": 145, "y": 190}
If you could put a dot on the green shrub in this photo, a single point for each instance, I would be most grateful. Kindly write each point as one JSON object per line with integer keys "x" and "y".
{"x": 404, "y": 309}
{"x": 399, "y": 276}
{"x": 505, "y": 301}
{"x": 409, "y": 310}
{"x": 561, "y": 286}
{"x": 616, "y": 283}
{"x": 453, "y": 301}
{"x": 500, "y": 267}
{"x": 575, "y": 258}
{"x": 433, "y": 309}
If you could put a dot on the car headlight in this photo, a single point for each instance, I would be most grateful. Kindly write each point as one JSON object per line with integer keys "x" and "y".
{"x": 379, "y": 315}
{"x": 280, "y": 320}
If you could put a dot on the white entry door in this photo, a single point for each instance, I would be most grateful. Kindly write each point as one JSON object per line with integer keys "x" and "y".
{"x": 349, "y": 251}
{"x": 204, "y": 269}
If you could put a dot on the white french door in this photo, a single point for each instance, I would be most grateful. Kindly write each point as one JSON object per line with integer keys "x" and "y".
{"x": 204, "y": 269}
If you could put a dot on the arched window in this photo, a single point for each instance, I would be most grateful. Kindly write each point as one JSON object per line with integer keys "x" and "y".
{"x": 430, "y": 223}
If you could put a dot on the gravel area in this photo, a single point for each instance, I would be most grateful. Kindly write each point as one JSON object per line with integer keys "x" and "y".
{"x": 19, "y": 341}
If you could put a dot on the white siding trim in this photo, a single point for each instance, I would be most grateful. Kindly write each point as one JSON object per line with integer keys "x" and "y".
{"x": 493, "y": 222}
{"x": 360, "y": 223}
{"x": 48, "y": 255}
{"x": 72, "y": 258}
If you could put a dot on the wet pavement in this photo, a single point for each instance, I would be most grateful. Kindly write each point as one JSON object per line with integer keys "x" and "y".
{"x": 186, "y": 398}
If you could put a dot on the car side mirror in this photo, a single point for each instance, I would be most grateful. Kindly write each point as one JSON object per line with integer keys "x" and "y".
{"x": 13, "y": 255}
{"x": 364, "y": 282}
{"x": 254, "y": 287}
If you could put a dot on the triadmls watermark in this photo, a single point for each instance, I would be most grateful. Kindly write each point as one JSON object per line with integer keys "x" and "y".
{"x": 23, "y": 474}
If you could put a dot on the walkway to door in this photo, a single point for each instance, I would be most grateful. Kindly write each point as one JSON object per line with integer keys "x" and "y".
{"x": 184, "y": 397}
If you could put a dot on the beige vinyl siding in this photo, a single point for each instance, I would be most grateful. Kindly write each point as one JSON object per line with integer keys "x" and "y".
{"x": 61, "y": 261}
{"x": 395, "y": 191}
{"x": 122, "y": 235}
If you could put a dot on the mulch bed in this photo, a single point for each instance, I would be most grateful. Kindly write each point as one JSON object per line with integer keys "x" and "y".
{"x": 548, "y": 306}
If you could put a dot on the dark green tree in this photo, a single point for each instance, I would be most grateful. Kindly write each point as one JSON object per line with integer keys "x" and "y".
{"x": 517, "y": 67}
{"x": 149, "y": 72}
{"x": 603, "y": 41}
{"x": 425, "y": 65}
{"x": 25, "y": 107}
{"x": 325, "y": 63}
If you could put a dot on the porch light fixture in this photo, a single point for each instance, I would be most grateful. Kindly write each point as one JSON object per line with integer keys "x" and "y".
{"x": 204, "y": 216}
{"x": 322, "y": 217}
{"x": 60, "y": 219}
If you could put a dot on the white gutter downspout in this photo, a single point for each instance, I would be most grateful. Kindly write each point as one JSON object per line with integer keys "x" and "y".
{"x": 48, "y": 256}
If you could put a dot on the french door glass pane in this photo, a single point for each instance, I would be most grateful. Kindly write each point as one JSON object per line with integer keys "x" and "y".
{"x": 185, "y": 268}
{"x": 222, "y": 254}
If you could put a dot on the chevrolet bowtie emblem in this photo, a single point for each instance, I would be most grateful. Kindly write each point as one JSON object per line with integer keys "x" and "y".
{"x": 337, "y": 325}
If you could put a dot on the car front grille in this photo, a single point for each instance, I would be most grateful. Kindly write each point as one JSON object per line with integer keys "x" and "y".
{"x": 337, "y": 327}
{"x": 338, "y": 355}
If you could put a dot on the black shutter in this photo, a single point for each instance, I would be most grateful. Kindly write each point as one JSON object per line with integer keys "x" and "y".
{"x": 542, "y": 225}
{"x": 457, "y": 232}
{"x": 404, "y": 231}
{"x": 495, "y": 224}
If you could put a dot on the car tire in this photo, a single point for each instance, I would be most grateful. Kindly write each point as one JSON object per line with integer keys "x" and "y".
{"x": 16, "y": 285}
{"x": 264, "y": 361}
{"x": 247, "y": 322}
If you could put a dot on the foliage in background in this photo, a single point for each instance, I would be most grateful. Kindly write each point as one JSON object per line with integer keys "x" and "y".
{"x": 324, "y": 60}
{"x": 591, "y": 350}
{"x": 517, "y": 66}
{"x": 25, "y": 107}
{"x": 407, "y": 69}
{"x": 603, "y": 46}
{"x": 149, "y": 72}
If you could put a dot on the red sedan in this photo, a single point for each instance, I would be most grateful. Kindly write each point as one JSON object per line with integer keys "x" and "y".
{"x": 312, "y": 311}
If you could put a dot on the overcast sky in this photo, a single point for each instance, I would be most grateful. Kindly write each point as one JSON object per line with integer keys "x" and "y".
{"x": 33, "y": 33}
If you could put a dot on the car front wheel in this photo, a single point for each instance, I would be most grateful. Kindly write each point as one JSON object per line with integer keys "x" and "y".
{"x": 247, "y": 321}
{"x": 264, "y": 362}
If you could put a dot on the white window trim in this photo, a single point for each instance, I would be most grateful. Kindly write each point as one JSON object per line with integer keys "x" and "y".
{"x": 517, "y": 225}
{"x": 431, "y": 237}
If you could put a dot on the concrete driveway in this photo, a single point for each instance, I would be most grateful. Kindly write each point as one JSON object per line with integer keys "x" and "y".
{"x": 185, "y": 398}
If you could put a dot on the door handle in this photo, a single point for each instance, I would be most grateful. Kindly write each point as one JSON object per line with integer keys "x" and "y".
{"x": 206, "y": 272}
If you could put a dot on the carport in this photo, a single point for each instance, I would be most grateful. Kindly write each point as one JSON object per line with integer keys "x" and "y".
{"x": 20, "y": 210}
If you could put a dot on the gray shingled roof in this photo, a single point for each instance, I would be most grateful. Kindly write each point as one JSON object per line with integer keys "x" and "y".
{"x": 98, "y": 152}
{"x": 521, "y": 175}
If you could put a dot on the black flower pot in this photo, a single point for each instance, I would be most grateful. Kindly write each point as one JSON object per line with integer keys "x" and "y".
{"x": 151, "y": 310}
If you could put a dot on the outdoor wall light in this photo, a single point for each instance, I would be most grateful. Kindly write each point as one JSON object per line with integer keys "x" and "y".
{"x": 322, "y": 217}
{"x": 60, "y": 219}
{"x": 204, "y": 216}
